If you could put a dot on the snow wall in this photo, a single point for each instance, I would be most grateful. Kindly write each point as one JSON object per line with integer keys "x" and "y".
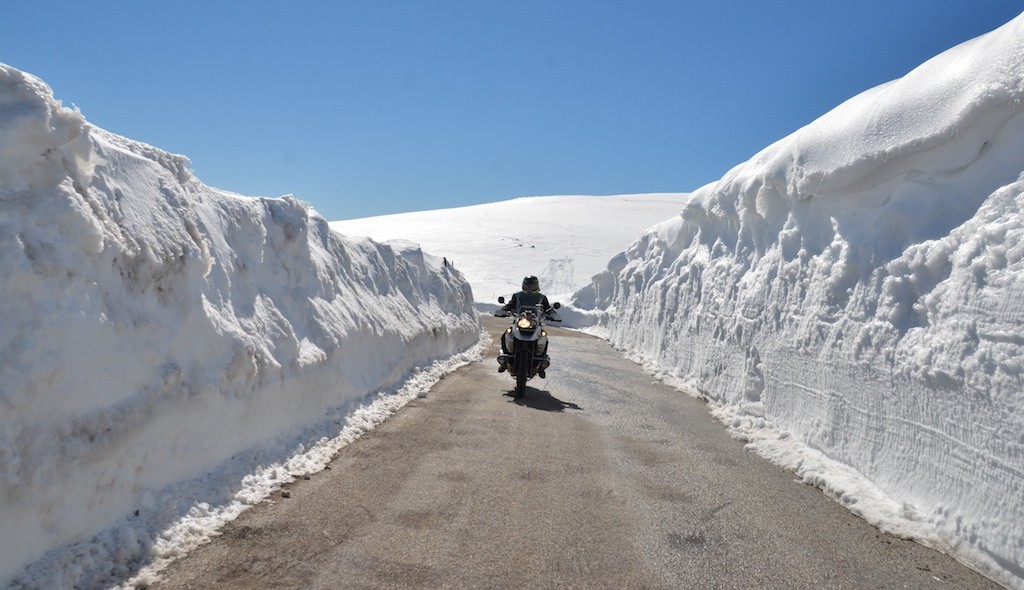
{"x": 857, "y": 288}
{"x": 155, "y": 332}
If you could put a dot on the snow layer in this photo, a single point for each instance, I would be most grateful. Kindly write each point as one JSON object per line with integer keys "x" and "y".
{"x": 166, "y": 346}
{"x": 563, "y": 240}
{"x": 851, "y": 301}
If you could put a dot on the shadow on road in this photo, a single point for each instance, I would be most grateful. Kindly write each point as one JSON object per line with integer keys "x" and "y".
{"x": 539, "y": 399}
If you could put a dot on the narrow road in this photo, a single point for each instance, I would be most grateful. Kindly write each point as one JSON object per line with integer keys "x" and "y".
{"x": 600, "y": 478}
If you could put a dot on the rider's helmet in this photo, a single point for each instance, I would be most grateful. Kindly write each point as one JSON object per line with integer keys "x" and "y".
{"x": 531, "y": 284}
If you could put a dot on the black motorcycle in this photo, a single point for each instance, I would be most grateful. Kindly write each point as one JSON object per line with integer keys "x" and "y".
{"x": 524, "y": 345}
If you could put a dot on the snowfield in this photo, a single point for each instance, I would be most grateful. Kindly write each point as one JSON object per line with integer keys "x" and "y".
{"x": 563, "y": 240}
{"x": 170, "y": 353}
{"x": 852, "y": 300}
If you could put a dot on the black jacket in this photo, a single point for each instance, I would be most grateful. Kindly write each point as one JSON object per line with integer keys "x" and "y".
{"x": 527, "y": 299}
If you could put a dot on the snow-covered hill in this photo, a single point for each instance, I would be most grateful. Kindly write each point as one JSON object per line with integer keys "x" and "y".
{"x": 563, "y": 240}
{"x": 165, "y": 346}
{"x": 852, "y": 298}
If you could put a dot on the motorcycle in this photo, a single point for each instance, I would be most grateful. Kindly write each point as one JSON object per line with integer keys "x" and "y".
{"x": 524, "y": 345}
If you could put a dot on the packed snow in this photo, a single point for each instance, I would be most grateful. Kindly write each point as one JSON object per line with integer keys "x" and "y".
{"x": 171, "y": 353}
{"x": 563, "y": 240}
{"x": 851, "y": 301}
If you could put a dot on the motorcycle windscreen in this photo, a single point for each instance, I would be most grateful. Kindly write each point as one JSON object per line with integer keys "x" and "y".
{"x": 529, "y": 299}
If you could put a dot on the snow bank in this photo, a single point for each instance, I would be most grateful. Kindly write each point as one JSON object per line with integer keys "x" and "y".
{"x": 160, "y": 339}
{"x": 850, "y": 299}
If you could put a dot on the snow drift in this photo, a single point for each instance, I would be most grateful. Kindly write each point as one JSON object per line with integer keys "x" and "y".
{"x": 858, "y": 286}
{"x": 156, "y": 333}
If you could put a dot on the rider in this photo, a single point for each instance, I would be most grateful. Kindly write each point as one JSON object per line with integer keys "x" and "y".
{"x": 529, "y": 296}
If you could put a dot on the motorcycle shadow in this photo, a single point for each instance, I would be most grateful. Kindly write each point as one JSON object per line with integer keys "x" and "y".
{"x": 540, "y": 399}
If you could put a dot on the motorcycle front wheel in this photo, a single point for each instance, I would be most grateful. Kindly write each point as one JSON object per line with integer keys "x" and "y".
{"x": 522, "y": 363}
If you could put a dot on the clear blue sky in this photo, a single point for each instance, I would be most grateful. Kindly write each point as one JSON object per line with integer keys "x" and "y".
{"x": 374, "y": 107}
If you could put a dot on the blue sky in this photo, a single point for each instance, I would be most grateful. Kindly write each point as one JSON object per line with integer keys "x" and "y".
{"x": 374, "y": 107}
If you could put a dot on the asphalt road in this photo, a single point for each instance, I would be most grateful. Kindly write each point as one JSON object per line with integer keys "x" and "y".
{"x": 600, "y": 478}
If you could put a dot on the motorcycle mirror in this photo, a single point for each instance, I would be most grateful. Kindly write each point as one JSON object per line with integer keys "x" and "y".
{"x": 501, "y": 300}
{"x": 557, "y": 305}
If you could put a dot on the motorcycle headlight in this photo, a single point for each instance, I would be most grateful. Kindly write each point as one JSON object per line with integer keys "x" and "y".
{"x": 524, "y": 323}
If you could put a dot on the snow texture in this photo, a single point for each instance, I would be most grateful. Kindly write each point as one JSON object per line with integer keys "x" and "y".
{"x": 166, "y": 347}
{"x": 850, "y": 299}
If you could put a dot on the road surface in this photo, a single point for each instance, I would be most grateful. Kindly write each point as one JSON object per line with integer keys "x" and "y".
{"x": 600, "y": 478}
